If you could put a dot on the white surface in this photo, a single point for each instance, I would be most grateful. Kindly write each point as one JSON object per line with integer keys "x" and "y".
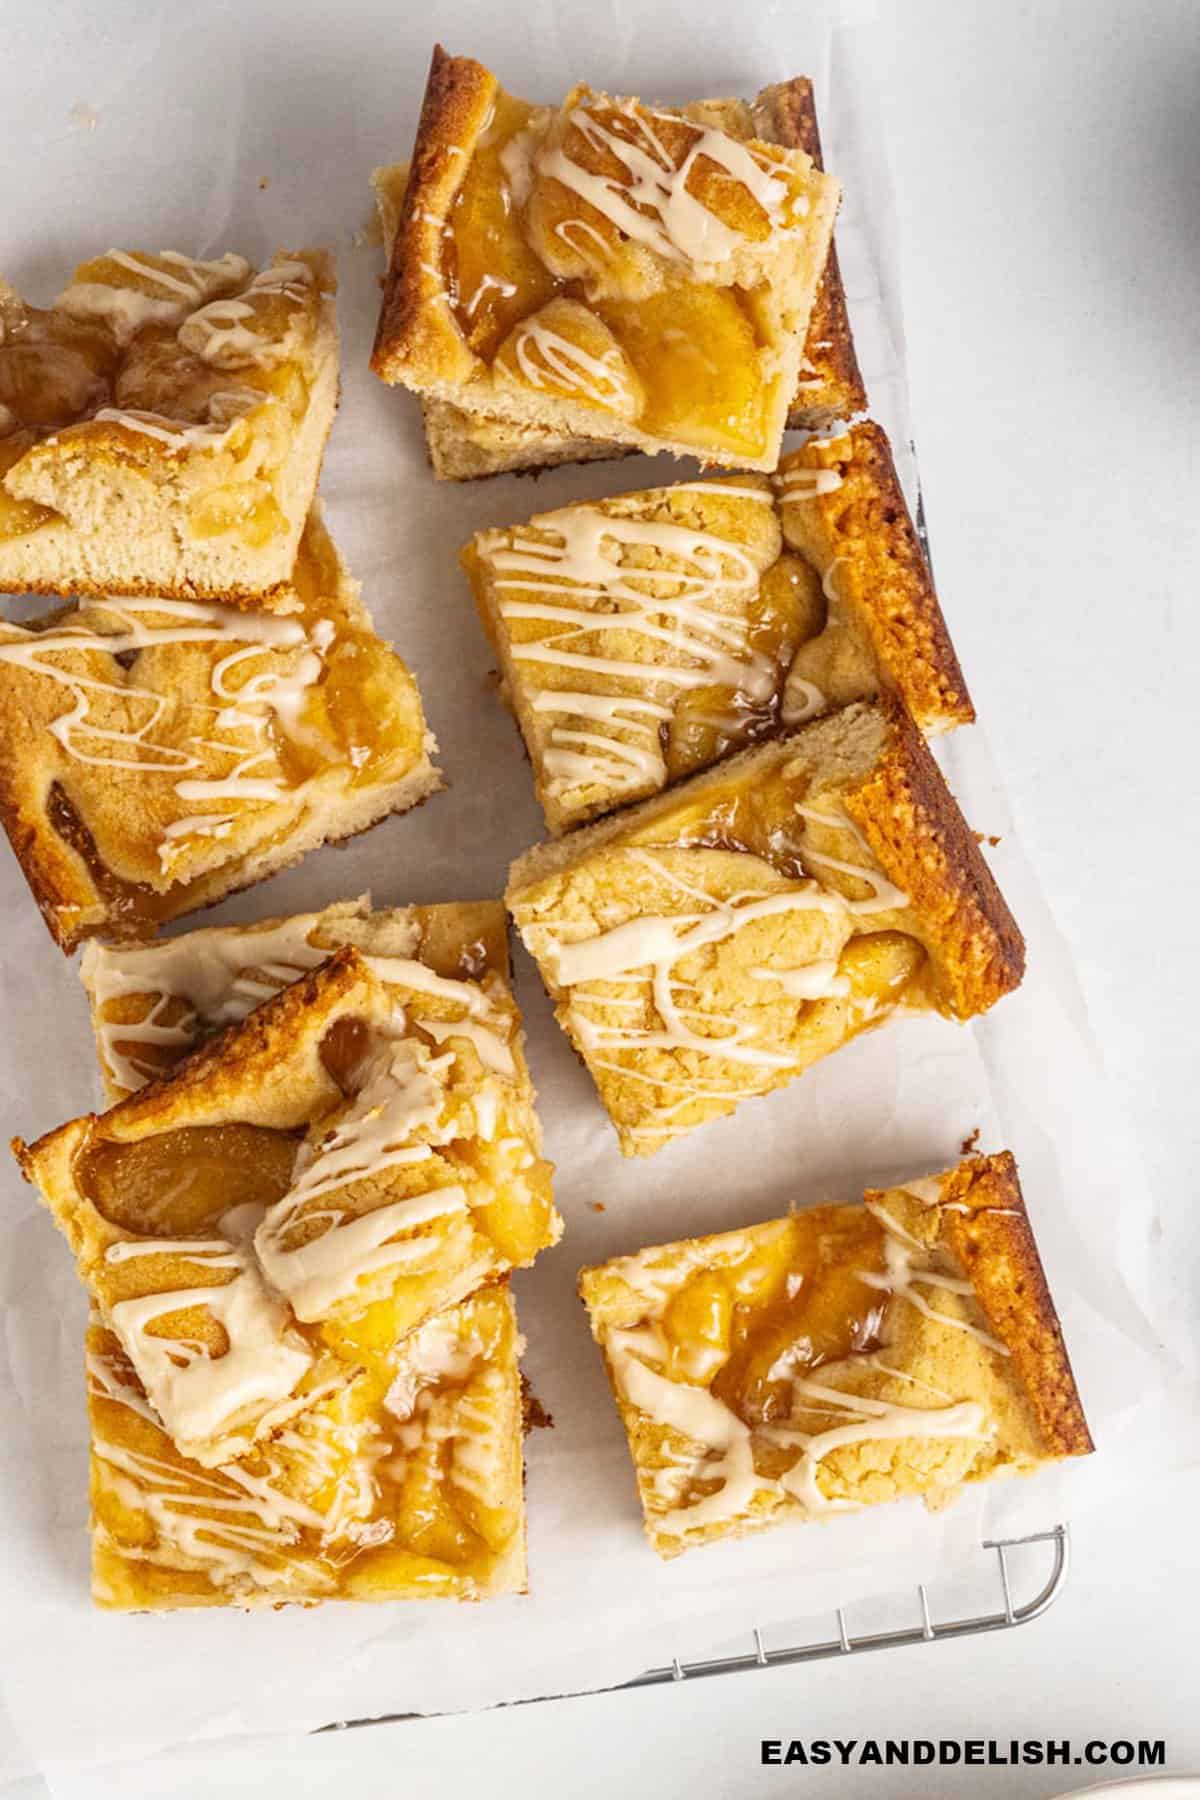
{"x": 1062, "y": 552}
{"x": 895, "y": 1104}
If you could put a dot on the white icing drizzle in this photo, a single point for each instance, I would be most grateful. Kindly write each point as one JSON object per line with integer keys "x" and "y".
{"x": 482, "y": 1447}
{"x": 727, "y": 1442}
{"x": 902, "y": 1279}
{"x": 653, "y": 205}
{"x": 802, "y": 699}
{"x": 436, "y": 1352}
{"x": 581, "y": 585}
{"x": 222, "y": 975}
{"x": 450, "y": 1399}
{"x": 491, "y": 1049}
{"x": 698, "y": 1416}
{"x": 62, "y": 653}
{"x": 202, "y": 1398}
{"x": 808, "y": 484}
{"x": 187, "y": 282}
{"x": 812, "y": 981}
{"x": 866, "y": 1421}
{"x": 484, "y": 1026}
{"x": 176, "y": 434}
{"x": 401, "y": 1096}
{"x": 658, "y": 942}
{"x": 885, "y": 895}
{"x": 570, "y": 231}
{"x": 218, "y": 334}
{"x": 644, "y": 952}
{"x": 548, "y": 360}
{"x": 226, "y": 1520}
{"x": 488, "y": 284}
{"x": 727, "y": 490}
{"x": 655, "y": 1280}
{"x": 194, "y": 275}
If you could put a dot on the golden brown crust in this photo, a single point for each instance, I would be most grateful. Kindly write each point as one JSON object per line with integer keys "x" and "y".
{"x": 57, "y": 879}
{"x": 994, "y": 1243}
{"x": 251, "y": 1062}
{"x": 202, "y": 971}
{"x": 276, "y": 598}
{"x": 912, "y": 823}
{"x": 831, "y": 384}
{"x": 863, "y": 525}
{"x": 413, "y": 333}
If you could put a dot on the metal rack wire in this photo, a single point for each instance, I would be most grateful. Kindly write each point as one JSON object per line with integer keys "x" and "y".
{"x": 926, "y": 1631}
{"x": 1011, "y": 1613}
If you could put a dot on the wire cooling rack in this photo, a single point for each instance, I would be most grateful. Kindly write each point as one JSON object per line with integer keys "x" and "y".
{"x": 925, "y": 1629}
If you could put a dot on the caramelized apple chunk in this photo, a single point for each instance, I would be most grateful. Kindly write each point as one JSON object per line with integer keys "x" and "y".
{"x": 565, "y": 349}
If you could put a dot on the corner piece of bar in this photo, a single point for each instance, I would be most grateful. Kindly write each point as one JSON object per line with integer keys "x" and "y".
{"x": 555, "y": 268}
{"x": 153, "y": 1004}
{"x": 465, "y": 445}
{"x": 842, "y": 1357}
{"x": 404, "y": 1484}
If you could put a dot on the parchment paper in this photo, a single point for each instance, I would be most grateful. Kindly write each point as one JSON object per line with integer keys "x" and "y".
{"x": 234, "y": 126}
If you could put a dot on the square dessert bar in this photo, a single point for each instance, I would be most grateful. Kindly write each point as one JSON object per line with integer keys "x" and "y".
{"x": 153, "y": 1004}
{"x": 404, "y": 1484}
{"x": 712, "y": 943}
{"x": 644, "y": 637}
{"x": 156, "y": 754}
{"x": 603, "y": 270}
{"x": 464, "y": 445}
{"x": 310, "y": 1186}
{"x": 839, "y": 1358}
{"x": 162, "y": 425}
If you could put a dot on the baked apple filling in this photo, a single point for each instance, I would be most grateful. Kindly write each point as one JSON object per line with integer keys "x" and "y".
{"x": 842, "y": 1357}
{"x": 618, "y": 257}
{"x": 405, "y": 1484}
{"x": 645, "y": 637}
{"x": 179, "y": 737}
{"x": 196, "y": 372}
